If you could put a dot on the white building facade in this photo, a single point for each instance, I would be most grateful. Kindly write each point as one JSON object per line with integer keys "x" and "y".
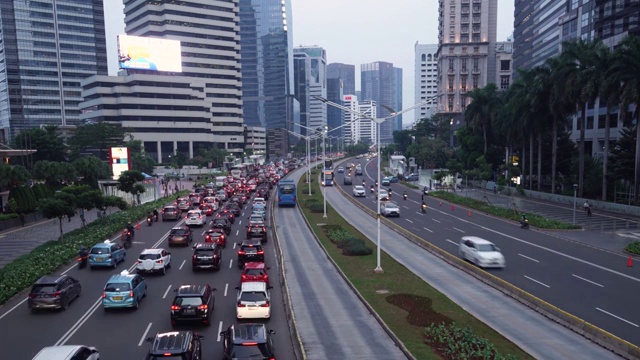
{"x": 310, "y": 81}
{"x": 426, "y": 78}
{"x": 359, "y": 129}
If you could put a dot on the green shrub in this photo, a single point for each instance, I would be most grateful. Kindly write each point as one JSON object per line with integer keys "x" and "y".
{"x": 41, "y": 191}
{"x": 633, "y": 248}
{"x": 8, "y": 216}
{"x": 317, "y": 208}
{"x": 354, "y": 247}
{"x": 311, "y": 202}
{"x": 461, "y": 343}
{"x": 46, "y": 258}
{"x": 32, "y": 203}
{"x": 337, "y": 234}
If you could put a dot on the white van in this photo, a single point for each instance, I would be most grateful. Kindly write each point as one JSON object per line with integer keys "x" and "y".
{"x": 254, "y": 301}
{"x": 220, "y": 181}
{"x": 481, "y": 252}
{"x": 68, "y": 352}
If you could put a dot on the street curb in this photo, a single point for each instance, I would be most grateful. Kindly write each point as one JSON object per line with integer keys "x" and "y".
{"x": 589, "y": 331}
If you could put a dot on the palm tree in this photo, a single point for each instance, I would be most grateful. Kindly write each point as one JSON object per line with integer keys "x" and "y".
{"x": 482, "y": 110}
{"x": 610, "y": 94}
{"x": 626, "y": 68}
{"x": 578, "y": 80}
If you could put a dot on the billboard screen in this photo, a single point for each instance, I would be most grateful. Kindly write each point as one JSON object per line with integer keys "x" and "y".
{"x": 143, "y": 53}
{"x": 119, "y": 161}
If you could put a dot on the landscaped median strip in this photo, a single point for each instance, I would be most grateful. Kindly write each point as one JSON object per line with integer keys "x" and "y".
{"x": 405, "y": 303}
{"x": 46, "y": 258}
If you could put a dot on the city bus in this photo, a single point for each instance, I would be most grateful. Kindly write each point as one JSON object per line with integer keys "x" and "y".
{"x": 286, "y": 193}
{"x": 327, "y": 177}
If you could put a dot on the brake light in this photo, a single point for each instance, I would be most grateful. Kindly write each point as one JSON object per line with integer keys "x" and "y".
{"x": 79, "y": 259}
{"x": 244, "y": 277}
{"x": 241, "y": 305}
{"x": 175, "y": 307}
{"x": 138, "y": 262}
{"x": 240, "y": 252}
{"x": 167, "y": 354}
{"x": 265, "y": 304}
{"x": 194, "y": 259}
{"x": 31, "y": 296}
{"x": 203, "y": 307}
{"x": 159, "y": 261}
{"x": 130, "y": 293}
{"x": 264, "y": 228}
{"x": 249, "y": 344}
{"x": 260, "y": 252}
{"x": 104, "y": 295}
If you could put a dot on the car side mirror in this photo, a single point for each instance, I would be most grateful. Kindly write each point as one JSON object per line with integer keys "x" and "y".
{"x": 94, "y": 351}
{"x": 193, "y": 247}
{"x": 149, "y": 339}
{"x": 272, "y": 331}
{"x": 268, "y": 268}
{"x": 239, "y": 243}
{"x": 237, "y": 287}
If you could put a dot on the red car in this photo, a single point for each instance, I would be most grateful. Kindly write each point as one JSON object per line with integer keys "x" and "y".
{"x": 217, "y": 236}
{"x": 207, "y": 209}
{"x": 255, "y": 271}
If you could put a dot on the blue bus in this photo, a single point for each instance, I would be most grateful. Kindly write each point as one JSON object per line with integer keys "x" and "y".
{"x": 327, "y": 177}
{"x": 286, "y": 193}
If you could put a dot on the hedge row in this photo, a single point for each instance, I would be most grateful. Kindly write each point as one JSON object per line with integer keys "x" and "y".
{"x": 633, "y": 248}
{"x": 349, "y": 244}
{"x": 8, "y": 216}
{"x": 454, "y": 342}
{"x": 25, "y": 199}
{"x": 46, "y": 258}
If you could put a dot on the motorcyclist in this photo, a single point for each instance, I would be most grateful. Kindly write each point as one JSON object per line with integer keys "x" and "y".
{"x": 155, "y": 214}
{"x": 83, "y": 252}
{"x": 372, "y": 188}
{"x": 423, "y": 207}
{"x": 130, "y": 229}
{"x": 404, "y": 195}
{"x": 523, "y": 220}
{"x": 364, "y": 183}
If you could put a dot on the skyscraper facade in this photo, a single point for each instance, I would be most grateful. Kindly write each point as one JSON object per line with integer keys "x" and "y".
{"x": 426, "y": 78}
{"x": 46, "y": 49}
{"x": 310, "y": 81}
{"x": 357, "y": 129}
{"x": 335, "y": 115}
{"x": 466, "y": 51}
{"x": 265, "y": 49}
{"x": 397, "y": 98}
{"x": 345, "y": 72}
{"x": 377, "y": 84}
{"x": 170, "y": 112}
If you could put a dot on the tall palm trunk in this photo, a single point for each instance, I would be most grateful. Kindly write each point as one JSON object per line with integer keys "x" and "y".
{"x": 540, "y": 162}
{"x": 605, "y": 157}
{"x": 484, "y": 134}
{"x": 524, "y": 163}
{"x": 583, "y": 125}
{"x": 531, "y": 160}
{"x": 554, "y": 154}
{"x": 637, "y": 170}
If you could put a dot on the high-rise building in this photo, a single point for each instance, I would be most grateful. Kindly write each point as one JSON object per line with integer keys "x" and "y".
{"x": 266, "y": 53}
{"x": 426, "y": 78}
{"x": 397, "y": 98}
{"x": 335, "y": 115}
{"x": 278, "y": 144}
{"x": 377, "y": 84}
{"x": 170, "y": 112}
{"x": 45, "y": 52}
{"x": 310, "y": 82}
{"x": 504, "y": 62}
{"x": 466, "y": 52}
{"x": 358, "y": 129}
{"x": 345, "y": 72}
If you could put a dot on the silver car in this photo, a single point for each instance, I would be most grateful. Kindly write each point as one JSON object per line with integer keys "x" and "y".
{"x": 359, "y": 190}
{"x": 389, "y": 209}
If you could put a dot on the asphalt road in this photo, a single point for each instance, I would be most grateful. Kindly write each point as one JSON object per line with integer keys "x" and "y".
{"x": 332, "y": 322}
{"x": 121, "y": 334}
{"x": 588, "y": 282}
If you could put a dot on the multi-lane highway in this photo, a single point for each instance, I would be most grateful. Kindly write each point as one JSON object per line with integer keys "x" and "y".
{"x": 121, "y": 334}
{"x": 592, "y": 284}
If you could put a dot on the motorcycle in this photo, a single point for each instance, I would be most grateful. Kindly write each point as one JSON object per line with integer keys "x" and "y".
{"x": 424, "y": 208}
{"x": 404, "y": 196}
{"x": 524, "y": 224}
{"x": 149, "y": 220}
{"x": 372, "y": 190}
{"x": 128, "y": 239}
{"x": 82, "y": 260}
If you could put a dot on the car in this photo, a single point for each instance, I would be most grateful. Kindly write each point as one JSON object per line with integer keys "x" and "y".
{"x": 170, "y": 212}
{"x": 260, "y": 201}
{"x": 221, "y": 195}
{"x": 255, "y": 271}
{"x": 153, "y": 260}
{"x": 257, "y": 220}
{"x": 226, "y": 214}
{"x": 206, "y": 256}
{"x": 184, "y": 204}
{"x": 263, "y": 193}
{"x": 236, "y": 199}
{"x": 253, "y": 300}
{"x": 53, "y": 292}
{"x": 207, "y": 209}
{"x": 124, "y": 290}
{"x": 258, "y": 206}
{"x": 68, "y": 352}
{"x": 384, "y": 195}
{"x": 247, "y": 341}
{"x": 389, "y": 208}
{"x": 359, "y": 190}
{"x": 195, "y": 218}
{"x": 222, "y": 223}
{"x": 259, "y": 212}
{"x": 481, "y": 252}
{"x": 347, "y": 180}
{"x": 386, "y": 181}
{"x": 106, "y": 254}
{"x": 217, "y": 236}
{"x": 257, "y": 231}
{"x": 252, "y": 185}
{"x": 175, "y": 345}
{"x": 211, "y": 200}
{"x": 234, "y": 208}
{"x": 193, "y": 303}
{"x": 195, "y": 199}
{"x": 250, "y": 250}
{"x": 393, "y": 179}
{"x": 412, "y": 177}
{"x": 358, "y": 169}
{"x": 180, "y": 235}
{"x": 340, "y": 170}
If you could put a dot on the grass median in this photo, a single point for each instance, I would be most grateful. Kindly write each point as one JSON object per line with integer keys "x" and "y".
{"x": 404, "y": 301}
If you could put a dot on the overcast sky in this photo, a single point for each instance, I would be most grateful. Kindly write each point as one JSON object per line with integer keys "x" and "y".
{"x": 353, "y": 32}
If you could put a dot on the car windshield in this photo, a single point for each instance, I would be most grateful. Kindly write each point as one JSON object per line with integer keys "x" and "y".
{"x": 249, "y": 249}
{"x": 486, "y": 247}
{"x": 185, "y": 301}
{"x": 149, "y": 256}
{"x": 162, "y": 357}
{"x": 256, "y": 219}
{"x": 253, "y": 296}
{"x": 99, "y": 250}
{"x": 249, "y": 351}
{"x": 178, "y": 232}
{"x": 115, "y": 287}
{"x": 169, "y": 209}
{"x": 205, "y": 252}
{"x": 219, "y": 221}
{"x": 391, "y": 205}
{"x": 43, "y": 289}
{"x": 255, "y": 272}
{"x": 358, "y": 187}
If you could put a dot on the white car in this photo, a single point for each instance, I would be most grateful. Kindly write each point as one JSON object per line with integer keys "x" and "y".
{"x": 384, "y": 195}
{"x": 389, "y": 209}
{"x": 481, "y": 252}
{"x": 256, "y": 220}
{"x": 211, "y": 200}
{"x": 254, "y": 301}
{"x": 196, "y": 218}
{"x": 63, "y": 352}
{"x": 260, "y": 201}
{"x": 359, "y": 190}
{"x": 153, "y": 260}
{"x": 221, "y": 195}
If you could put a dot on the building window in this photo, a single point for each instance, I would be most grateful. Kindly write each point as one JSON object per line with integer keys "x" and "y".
{"x": 464, "y": 19}
{"x": 464, "y": 28}
{"x": 464, "y": 38}
{"x": 505, "y": 65}
{"x": 424, "y": 57}
{"x": 475, "y": 82}
{"x": 452, "y": 63}
{"x": 450, "y": 103}
{"x": 476, "y": 8}
{"x": 452, "y": 38}
{"x": 504, "y": 82}
{"x": 476, "y": 49}
{"x": 574, "y": 4}
{"x": 463, "y": 63}
{"x": 451, "y": 79}
{"x": 589, "y": 122}
{"x": 475, "y": 38}
{"x": 463, "y": 83}
{"x": 476, "y": 63}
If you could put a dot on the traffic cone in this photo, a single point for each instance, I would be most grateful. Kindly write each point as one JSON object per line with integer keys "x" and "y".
{"x": 469, "y": 212}
{"x": 629, "y": 262}
{"x": 440, "y": 203}
{"x": 138, "y": 226}
{"x": 452, "y": 207}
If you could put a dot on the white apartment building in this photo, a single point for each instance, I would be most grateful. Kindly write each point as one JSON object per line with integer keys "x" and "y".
{"x": 310, "y": 82}
{"x": 359, "y": 129}
{"x": 504, "y": 65}
{"x": 466, "y": 53}
{"x": 256, "y": 139}
{"x": 426, "y": 78}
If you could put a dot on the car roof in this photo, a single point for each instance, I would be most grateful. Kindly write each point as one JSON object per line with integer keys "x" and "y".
{"x": 169, "y": 207}
{"x": 124, "y": 276}
{"x": 476, "y": 240}
{"x": 152, "y": 251}
{"x": 50, "y": 279}
{"x": 358, "y": 187}
{"x": 251, "y": 242}
{"x": 178, "y": 228}
{"x": 105, "y": 244}
{"x": 57, "y": 352}
{"x": 192, "y": 289}
{"x": 254, "y": 265}
{"x": 253, "y": 286}
{"x": 205, "y": 246}
{"x": 253, "y": 332}
{"x": 171, "y": 341}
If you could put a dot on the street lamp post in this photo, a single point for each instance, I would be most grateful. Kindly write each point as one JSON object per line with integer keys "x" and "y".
{"x": 324, "y": 166}
{"x": 575, "y": 191}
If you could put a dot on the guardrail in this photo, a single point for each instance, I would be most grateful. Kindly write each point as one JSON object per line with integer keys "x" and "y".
{"x": 599, "y": 336}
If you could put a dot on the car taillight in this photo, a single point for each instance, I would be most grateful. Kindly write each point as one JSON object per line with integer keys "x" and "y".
{"x": 130, "y": 293}
{"x": 203, "y": 307}
{"x": 175, "y": 307}
{"x": 207, "y": 238}
{"x": 31, "y": 296}
{"x": 104, "y": 294}
{"x": 159, "y": 261}
{"x": 240, "y": 252}
{"x": 264, "y": 228}
{"x": 260, "y": 252}
{"x": 241, "y": 305}
{"x": 265, "y": 304}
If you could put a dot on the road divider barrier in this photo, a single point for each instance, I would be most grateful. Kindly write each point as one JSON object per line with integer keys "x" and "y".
{"x": 599, "y": 336}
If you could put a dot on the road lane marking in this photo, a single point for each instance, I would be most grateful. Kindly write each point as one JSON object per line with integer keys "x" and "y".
{"x": 526, "y": 257}
{"x": 79, "y": 323}
{"x": 226, "y": 287}
{"x": 219, "y": 330}
{"x": 13, "y": 308}
{"x": 181, "y": 265}
{"x": 617, "y": 317}
{"x": 536, "y": 281}
{"x": 431, "y": 231}
{"x": 166, "y": 292}
{"x": 240, "y": 223}
{"x": 203, "y": 231}
{"x": 455, "y": 228}
{"x": 453, "y": 242}
{"x": 438, "y": 221}
{"x": 144, "y": 335}
{"x": 237, "y": 232}
{"x": 587, "y": 280}
{"x": 234, "y": 246}
{"x": 230, "y": 263}
{"x": 406, "y": 207}
{"x": 409, "y": 221}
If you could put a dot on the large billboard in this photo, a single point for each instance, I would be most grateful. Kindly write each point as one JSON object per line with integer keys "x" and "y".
{"x": 119, "y": 157}
{"x": 142, "y": 53}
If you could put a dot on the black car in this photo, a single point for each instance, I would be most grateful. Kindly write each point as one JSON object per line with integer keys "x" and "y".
{"x": 183, "y": 345}
{"x": 206, "y": 256}
{"x": 236, "y": 199}
{"x": 222, "y": 223}
{"x": 257, "y": 231}
{"x": 170, "y": 212}
{"x": 53, "y": 292}
{"x": 234, "y": 208}
{"x": 347, "y": 180}
{"x": 248, "y": 341}
{"x": 263, "y": 193}
{"x": 250, "y": 250}
{"x": 227, "y": 214}
{"x": 193, "y": 303}
{"x": 180, "y": 235}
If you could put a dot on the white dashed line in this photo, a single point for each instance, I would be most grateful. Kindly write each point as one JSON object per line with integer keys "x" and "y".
{"x": 181, "y": 265}
{"x": 526, "y": 257}
{"x": 453, "y": 242}
{"x": 617, "y": 317}
{"x": 219, "y": 330}
{"x": 226, "y": 287}
{"x": 230, "y": 263}
{"x": 166, "y": 292}
{"x": 431, "y": 231}
{"x": 438, "y": 221}
{"x": 409, "y": 221}
{"x": 587, "y": 280}
{"x": 455, "y": 228}
{"x": 144, "y": 335}
{"x": 536, "y": 281}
